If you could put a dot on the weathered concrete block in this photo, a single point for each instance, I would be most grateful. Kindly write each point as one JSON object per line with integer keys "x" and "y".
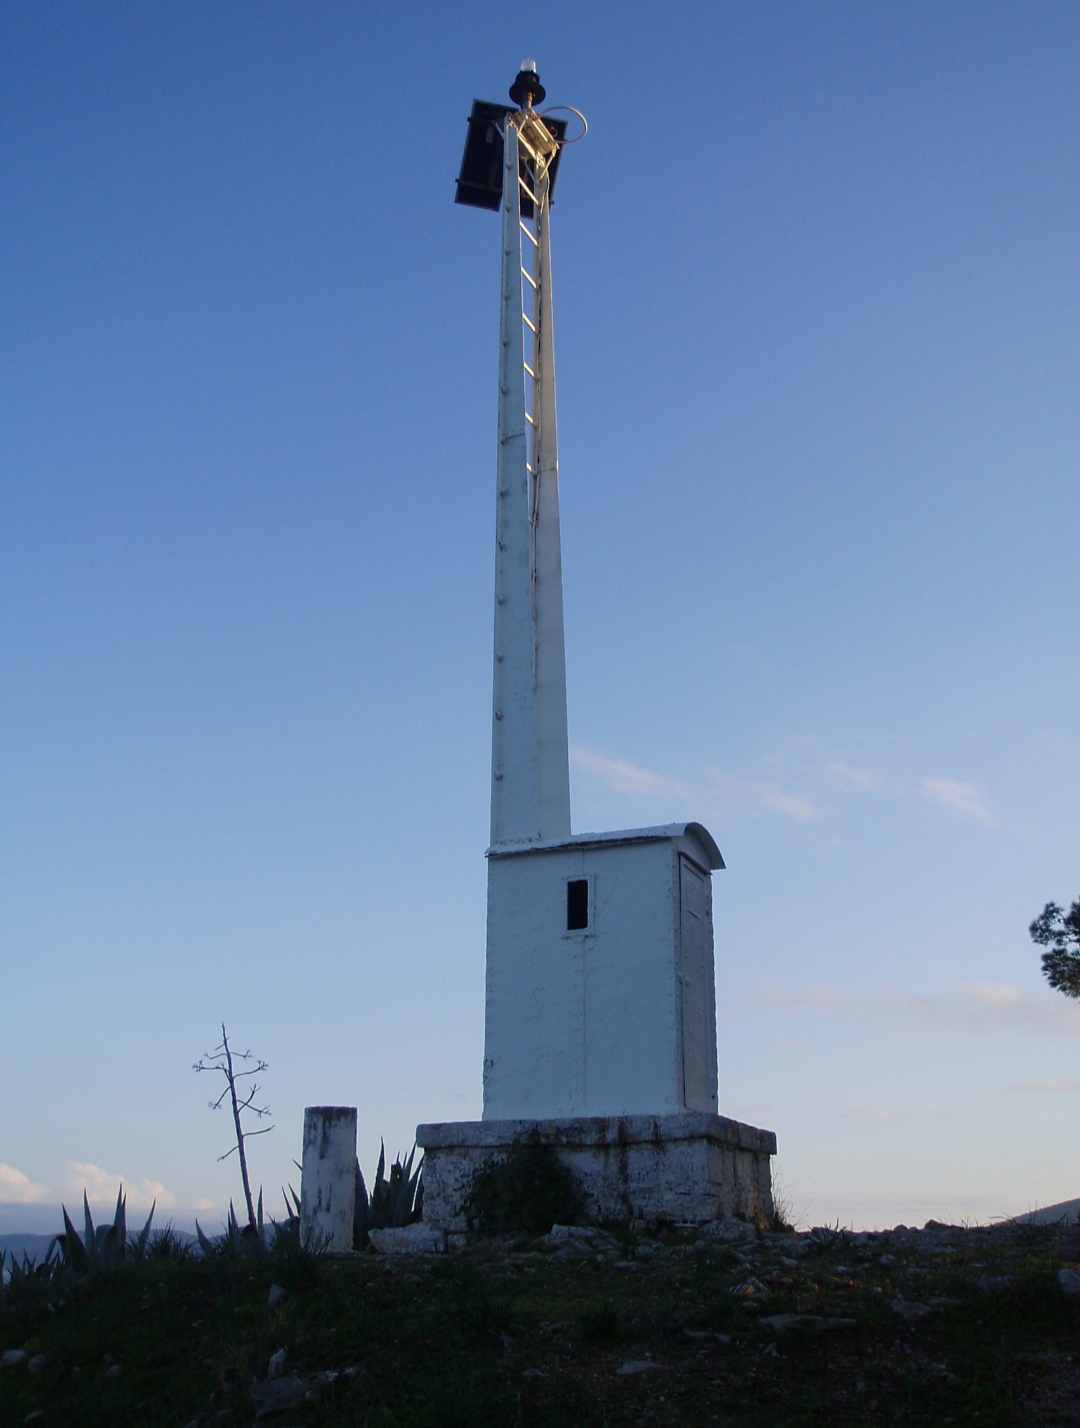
{"x": 328, "y": 1175}
{"x": 690, "y": 1168}
{"x": 408, "y": 1239}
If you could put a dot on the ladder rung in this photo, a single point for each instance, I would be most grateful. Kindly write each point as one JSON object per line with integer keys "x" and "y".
{"x": 529, "y": 419}
{"x": 527, "y": 191}
{"x": 534, "y": 241}
{"x": 528, "y": 324}
{"x": 530, "y": 279}
{"x": 530, "y": 371}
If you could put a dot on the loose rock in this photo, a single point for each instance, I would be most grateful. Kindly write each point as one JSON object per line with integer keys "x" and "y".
{"x": 275, "y": 1395}
{"x": 1069, "y": 1280}
{"x": 410, "y": 1239}
{"x": 36, "y": 1364}
{"x": 277, "y": 1364}
{"x": 730, "y": 1230}
{"x": 276, "y": 1295}
{"x": 14, "y": 1357}
{"x": 815, "y": 1323}
{"x": 637, "y": 1366}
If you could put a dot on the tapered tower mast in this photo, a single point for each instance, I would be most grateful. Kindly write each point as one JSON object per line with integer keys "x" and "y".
{"x": 530, "y": 773}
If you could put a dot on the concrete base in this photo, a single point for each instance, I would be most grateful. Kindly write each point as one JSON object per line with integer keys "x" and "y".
{"x": 690, "y": 1168}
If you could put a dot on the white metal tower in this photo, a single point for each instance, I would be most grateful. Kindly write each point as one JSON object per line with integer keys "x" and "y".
{"x": 530, "y": 774}
{"x": 600, "y": 996}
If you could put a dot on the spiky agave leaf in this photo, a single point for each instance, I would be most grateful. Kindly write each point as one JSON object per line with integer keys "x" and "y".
{"x": 259, "y": 1222}
{"x": 110, "y": 1247}
{"x": 406, "y": 1190}
{"x": 292, "y": 1203}
{"x": 120, "y": 1218}
{"x": 17, "y": 1275}
{"x": 414, "y": 1201}
{"x": 72, "y": 1248}
{"x": 90, "y": 1241}
{"x": 232, "y": 1242}
{"x": 52, "y": 1263}
{"x": 205, "y": 1245}
{"x": 139, "y": 1241}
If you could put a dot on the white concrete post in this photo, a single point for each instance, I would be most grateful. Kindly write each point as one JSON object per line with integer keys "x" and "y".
{"x": 328, "y": 1176}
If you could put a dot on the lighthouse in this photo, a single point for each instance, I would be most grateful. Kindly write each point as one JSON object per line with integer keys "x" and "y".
{"x": 600, "y": 997}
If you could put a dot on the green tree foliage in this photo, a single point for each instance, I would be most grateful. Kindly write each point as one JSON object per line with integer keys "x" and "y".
{"x": 1059, "y": 932}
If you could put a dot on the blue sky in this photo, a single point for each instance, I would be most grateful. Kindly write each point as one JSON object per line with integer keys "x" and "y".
{"x": 818, "y": 338}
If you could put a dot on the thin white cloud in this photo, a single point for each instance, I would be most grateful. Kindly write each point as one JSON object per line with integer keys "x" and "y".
{"x": 18, "y": 1189}
{"x": 101, "y": 1187}
{"x": 775, "y": 996}
{"x": 1049, "y": 1088}
{"x": 850, "y": 779}
{"x": 971, "y": 1010}
{"x": 756, "y": 793}
{"x": 964, "y": 799}
{"x": 621, "y": 776}
{"x": 789, "y": 804}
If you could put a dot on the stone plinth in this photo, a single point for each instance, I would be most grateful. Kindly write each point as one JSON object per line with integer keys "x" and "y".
{"x": 688, "y": 1168}
{"x": 328, "y": 1176}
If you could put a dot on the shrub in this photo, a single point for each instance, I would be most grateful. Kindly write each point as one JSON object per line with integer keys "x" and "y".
{"x": 527, "y": 1191}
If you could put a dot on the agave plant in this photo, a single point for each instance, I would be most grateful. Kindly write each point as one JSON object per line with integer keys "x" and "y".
{"x": 101, "y": 1250}
{"x": 393, "y": 1202}
{"x": 20, "y": 1283}
{"x": 253, "y": 1239}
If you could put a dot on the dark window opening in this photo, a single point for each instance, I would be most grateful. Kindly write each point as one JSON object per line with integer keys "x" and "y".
{"x": 577, "y": 904}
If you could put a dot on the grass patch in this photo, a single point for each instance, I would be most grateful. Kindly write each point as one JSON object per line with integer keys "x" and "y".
{"x": 784, "y": 1331}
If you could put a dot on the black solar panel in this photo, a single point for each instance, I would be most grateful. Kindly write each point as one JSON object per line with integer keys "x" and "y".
{"x": 480, "y": 182}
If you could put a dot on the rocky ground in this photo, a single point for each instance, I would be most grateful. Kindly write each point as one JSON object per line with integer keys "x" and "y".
{"x": 940, "y": 1325}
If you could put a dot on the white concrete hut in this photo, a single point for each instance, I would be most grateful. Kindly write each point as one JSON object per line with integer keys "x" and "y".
{"x": 601, "y": 998}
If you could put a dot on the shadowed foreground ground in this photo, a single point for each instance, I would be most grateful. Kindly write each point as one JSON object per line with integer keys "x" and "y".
{"x": 939, "y": 1326}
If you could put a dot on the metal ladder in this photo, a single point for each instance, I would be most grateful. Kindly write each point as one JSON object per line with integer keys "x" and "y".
{"x": 532, "y": 186}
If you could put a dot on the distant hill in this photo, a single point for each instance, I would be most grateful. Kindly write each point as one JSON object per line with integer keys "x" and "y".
{"x": 34, "y": 1246}
{"x": 1066, "y": 1212}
